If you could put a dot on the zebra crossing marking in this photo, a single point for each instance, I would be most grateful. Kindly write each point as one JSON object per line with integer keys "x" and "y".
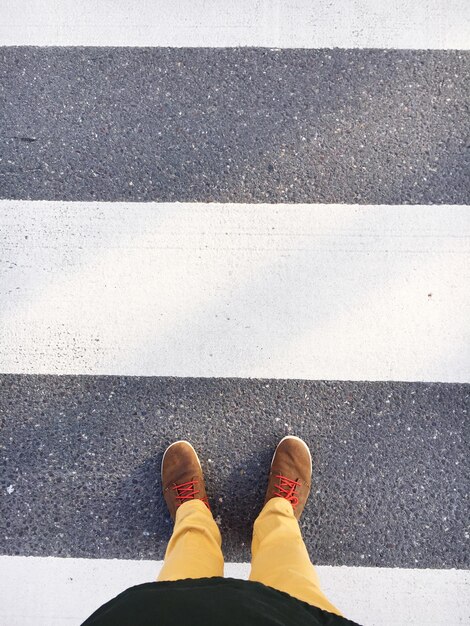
{"x": 266, "y": 291}
{"x": 71, "y": 589}
{"x": 437, "y": 24}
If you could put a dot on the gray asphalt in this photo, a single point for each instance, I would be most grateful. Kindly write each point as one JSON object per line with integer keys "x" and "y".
{"x": 235, "y": 125}
{"x": 81, "y": 456}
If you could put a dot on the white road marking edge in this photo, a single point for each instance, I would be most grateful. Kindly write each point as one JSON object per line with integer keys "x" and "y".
{"x": 437, "y": 24}
{"x": 317, "y": 292}
{"x": 49, "y": 591}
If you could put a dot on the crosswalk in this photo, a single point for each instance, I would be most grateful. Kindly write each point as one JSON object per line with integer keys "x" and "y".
{"x": 227, "y": 224}
{"x": 250, "y": 291}
{"x": 401, "y": 24}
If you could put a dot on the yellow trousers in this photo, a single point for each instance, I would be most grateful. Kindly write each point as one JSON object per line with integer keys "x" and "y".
{"x": 279, "y": 556}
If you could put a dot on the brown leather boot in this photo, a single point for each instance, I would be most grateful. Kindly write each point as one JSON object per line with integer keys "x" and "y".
{"x": 291, "y": 473}
{"x": 182, "y": 477}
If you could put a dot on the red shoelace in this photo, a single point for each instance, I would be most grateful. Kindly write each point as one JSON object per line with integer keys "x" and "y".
{"x": 188, "y": 491}
{"x": 286, "y": 489}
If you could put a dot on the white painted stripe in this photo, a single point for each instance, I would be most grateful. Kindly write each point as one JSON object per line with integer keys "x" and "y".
{"x": 436, "y": 24}
{"x": 276, "y": 291}
{"x": 46, "y": 591}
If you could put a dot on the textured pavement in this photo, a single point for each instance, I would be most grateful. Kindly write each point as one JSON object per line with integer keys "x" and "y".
{"x": 127, "y": 324}
{"x": 81, "y": 458}
{"x": 235, "y": 125}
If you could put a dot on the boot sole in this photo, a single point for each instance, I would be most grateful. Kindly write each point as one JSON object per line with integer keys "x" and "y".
{"x": 172, "y": 444}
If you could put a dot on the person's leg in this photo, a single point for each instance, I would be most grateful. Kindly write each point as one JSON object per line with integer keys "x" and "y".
{"x": 279, "y": 556}
{"x": 194, "y": 550}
